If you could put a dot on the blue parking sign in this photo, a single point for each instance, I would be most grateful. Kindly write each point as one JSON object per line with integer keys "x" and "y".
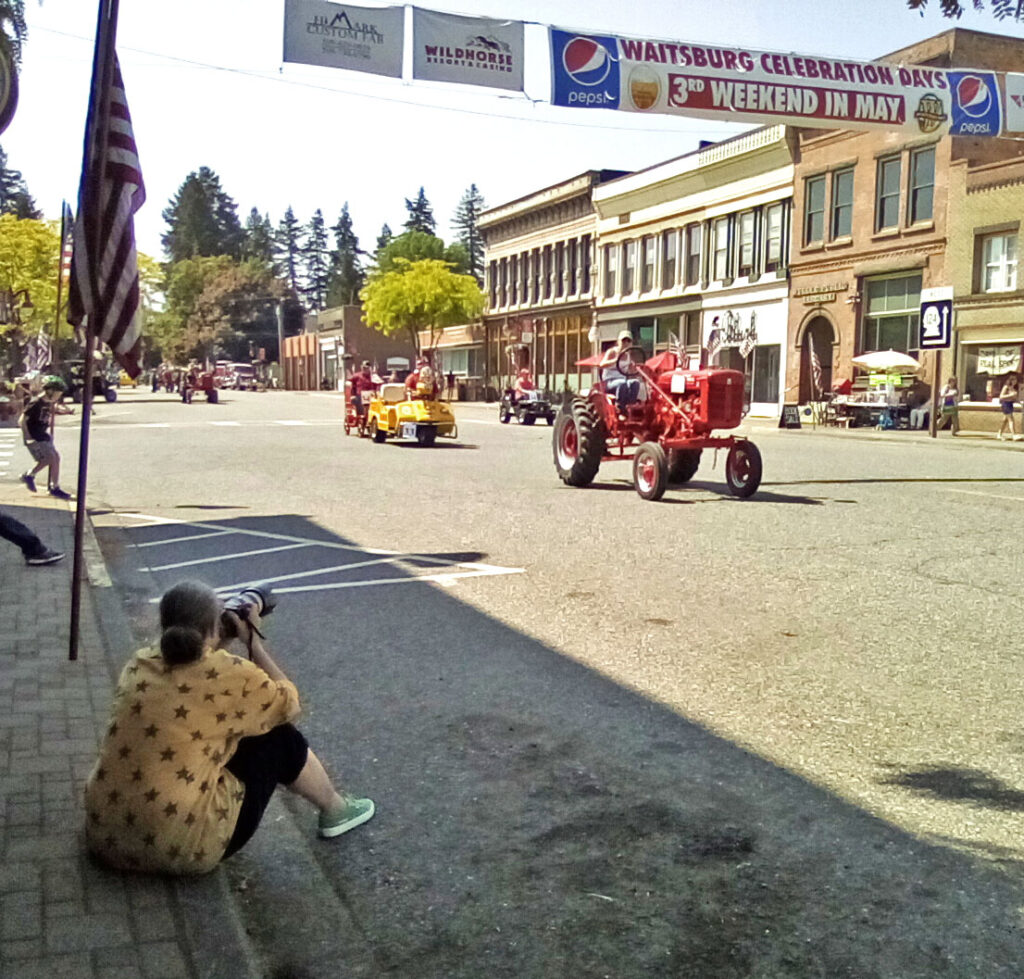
{"x": 936, "y": 323}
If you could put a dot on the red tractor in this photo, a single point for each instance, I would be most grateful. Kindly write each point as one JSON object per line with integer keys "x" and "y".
{"x": 663, "y": 431}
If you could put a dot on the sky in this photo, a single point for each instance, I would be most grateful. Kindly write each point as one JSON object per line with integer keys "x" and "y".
{"x": 207, "y": 87}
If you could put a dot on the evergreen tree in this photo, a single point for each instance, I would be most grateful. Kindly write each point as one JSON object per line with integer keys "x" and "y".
{"x": 464, "y": 223}
{"x": 386, "y": 234}
{"x": 421, "y": 214}
{"x": 316, "y": 262}
{"x": 288, "y": 247}
{"x": 259, "y": 238}
{"x": 14, "y": 196}
{"x": 346, "y": 277}
{"x": 202, "y": 220}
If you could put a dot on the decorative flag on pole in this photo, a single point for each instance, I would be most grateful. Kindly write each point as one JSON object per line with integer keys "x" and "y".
{"x": 39, "y": 352}
{"x": 105, "y": 286}
{"x": 815, "y": 365}
{"x": 67, "y": 227}
{"x": 714, "y": 342}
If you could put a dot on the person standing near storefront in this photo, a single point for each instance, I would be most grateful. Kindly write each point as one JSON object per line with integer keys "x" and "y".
{"x": 949, "y": 398}
{"x": 1009, "y": 394}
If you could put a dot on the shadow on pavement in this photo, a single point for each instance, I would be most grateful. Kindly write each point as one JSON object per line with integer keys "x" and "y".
{"x": 897, "y": 479}
{"x": 958, "y": 784}
{"x": 536, "y": 819}
{"x": 722, "y": 493}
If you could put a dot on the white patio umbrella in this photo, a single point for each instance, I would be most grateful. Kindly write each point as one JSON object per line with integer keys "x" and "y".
{"x": 887, "y": 362}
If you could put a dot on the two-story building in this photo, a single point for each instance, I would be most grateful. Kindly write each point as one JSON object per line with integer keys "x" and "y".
{"x": 872, "y": 226}
{"x": 696, "y": 249}
{"x": 540, "y": 263}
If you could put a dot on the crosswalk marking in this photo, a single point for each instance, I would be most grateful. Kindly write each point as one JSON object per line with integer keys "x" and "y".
{"x": 225, "y": 557}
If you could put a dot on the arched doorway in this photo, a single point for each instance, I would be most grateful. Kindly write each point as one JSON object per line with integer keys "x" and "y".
{"x": 819, "y": 336}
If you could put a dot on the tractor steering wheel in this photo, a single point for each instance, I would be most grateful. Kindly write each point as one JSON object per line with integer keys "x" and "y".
{"x": 627, "y": 362}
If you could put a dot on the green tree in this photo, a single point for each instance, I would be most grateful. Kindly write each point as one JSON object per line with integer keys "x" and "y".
{"x": 259, "y": 238}
{"x": 347, "y": 276}
{"x": 386, "y": 234}
{"x": 28, "y": 272}
{"x": 288, "y": 247}
{"x": 14, "y": 196}
{"x": 13, "y": 30}
{"x": 201, "y": 220}
{"x": 424, "y": 295}
{"x": 316, "y": 262}
{"x": 464, "y": 223}
{"x": 1001, "y": 9}
{"x": 414, "y": 246}
{"x": 421, "y": 214}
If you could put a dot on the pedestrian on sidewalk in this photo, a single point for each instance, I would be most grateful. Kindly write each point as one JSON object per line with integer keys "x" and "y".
{"x": 949, "y": 399}
{"x": 1008, "y": 396}
{"x": 35, "y": 430}
{"x": 33, "y": 549}
{"x": 198, "y": 741}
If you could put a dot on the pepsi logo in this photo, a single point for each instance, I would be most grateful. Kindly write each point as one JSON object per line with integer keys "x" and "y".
{"x": 974, "y": 96}
{"x": 586, "y": 61}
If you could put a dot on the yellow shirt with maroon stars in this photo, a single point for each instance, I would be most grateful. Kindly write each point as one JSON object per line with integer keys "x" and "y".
{"x": 159, "y": 797}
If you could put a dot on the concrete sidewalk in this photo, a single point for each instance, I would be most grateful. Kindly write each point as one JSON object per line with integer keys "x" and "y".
{"x": 61, "y": 913}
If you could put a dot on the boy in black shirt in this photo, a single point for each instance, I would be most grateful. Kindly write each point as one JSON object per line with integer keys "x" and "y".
{"x": 35, "y": 429}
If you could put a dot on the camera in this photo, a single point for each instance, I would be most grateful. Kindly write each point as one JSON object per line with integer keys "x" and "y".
{"x": 259, "y": 598}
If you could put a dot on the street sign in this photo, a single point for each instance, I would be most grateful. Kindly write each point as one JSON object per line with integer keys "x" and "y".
{"x": 936, "y": 326}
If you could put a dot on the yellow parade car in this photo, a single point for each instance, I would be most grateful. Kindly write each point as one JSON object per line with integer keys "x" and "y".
{"x": 393, "y": 413}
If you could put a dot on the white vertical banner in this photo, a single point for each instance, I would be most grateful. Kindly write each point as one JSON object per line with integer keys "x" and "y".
{"x": 469, "y": 50}
{"x": 338, "y": 35}
{"x": 1014, "y": 103}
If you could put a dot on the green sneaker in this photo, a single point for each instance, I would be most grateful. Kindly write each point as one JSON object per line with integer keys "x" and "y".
{"x": 353, "y": 813}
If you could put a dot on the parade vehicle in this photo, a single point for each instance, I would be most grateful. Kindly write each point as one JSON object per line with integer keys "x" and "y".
{"x": 205, "y": 383}
{"x": 526, "y": 408}
{"x": 664, "y": 431}
{"x": 396, "y": 412}
{"x": 104, "y": 385}
{"x": 354, "y": 422}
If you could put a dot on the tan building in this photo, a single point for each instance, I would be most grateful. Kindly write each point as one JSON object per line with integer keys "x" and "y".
{"x": 872, "y": 226}
{"x": 984, "y": 230}
{"x": 541, "y": 260}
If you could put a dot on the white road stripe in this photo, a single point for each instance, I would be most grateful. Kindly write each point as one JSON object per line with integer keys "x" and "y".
{"x": 290, "y": 422}
{"x": 182, "y": 540}
{"x": 226, "y": 557}
{"x": 235, "y": 424}
{"x": 994, "y": 496}
{"x": 442, "y": 579}
{"x": 228, "y": 589}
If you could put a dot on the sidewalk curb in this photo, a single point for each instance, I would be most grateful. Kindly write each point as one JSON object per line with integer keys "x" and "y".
{"x": 210, "y": 925}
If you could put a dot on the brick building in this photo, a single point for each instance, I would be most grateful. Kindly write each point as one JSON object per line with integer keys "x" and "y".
{"x": 873, "y": 223}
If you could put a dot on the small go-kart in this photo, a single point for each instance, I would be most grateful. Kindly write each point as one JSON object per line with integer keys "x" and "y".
{"x": 664, "y": 430}
{"x": 396, "y": 413}
{"x": 354, "y": 421}
{"x": 526, "y": 407}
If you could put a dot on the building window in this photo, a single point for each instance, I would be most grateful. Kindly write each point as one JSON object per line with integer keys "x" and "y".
{"x": 892, "y": 314}
{"x": 513, "y": 278}
{"x": 524, "y": 278}
{"x": 547, "y": 272}
{"x": 842, "y": 204}
{"x": 999, "y": 258}
{"x": 922, "y": 184}
{"x": 628, "y": 267}
{"x": 985, "y": 368}
{"x": 647, "y": 264}
{"x": 746, "y": 243}
{"x": 887, "y": 204}
{"x": 574, "y": 270}
{"x": 669, "y": 245}
{"x": 560, "y": 269}
{"x": 720, "y": 239}
{"x": 585, "y": 261}
{"x": 692, "y": 255}
{"x": 535, "y": 286}
{"x": 691, "y": 333}
{"x": 492, "y": 283}
{"x": 611, "y": 269}
{"x": 814, "y": 210}
{"x": 504, "y": 282}
{"x": 774, "y": 255}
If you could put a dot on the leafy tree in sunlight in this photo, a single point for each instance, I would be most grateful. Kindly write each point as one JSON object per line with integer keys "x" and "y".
{"x": 424, "y": 295}
{"x": 414, "y": 246}
{"x": 1001, "y": 9}
{"x": 14, "y": 196}
{"x": 29, "y": 253}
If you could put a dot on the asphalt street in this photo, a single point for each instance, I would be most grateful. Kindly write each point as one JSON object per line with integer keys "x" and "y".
{"x": 708, "y": 737}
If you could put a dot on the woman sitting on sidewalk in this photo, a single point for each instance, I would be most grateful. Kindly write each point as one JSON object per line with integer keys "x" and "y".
{"x": 198, "y": 741}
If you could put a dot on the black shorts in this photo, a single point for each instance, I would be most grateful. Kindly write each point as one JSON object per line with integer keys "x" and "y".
{"x": 261, "y": 763}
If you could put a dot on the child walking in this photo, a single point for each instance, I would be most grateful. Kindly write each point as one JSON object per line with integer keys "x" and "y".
{"x": 35, "y": 430}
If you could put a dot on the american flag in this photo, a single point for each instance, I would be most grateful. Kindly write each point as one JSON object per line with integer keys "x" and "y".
{"x": 815, "y": 366}
{"x": 39, "y": 353}
{"x": 714, "y": 343}
{"x": 105, "y": 286}
{"x": 67, "y": 227}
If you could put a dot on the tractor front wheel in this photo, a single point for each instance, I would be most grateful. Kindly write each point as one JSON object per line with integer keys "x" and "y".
{"x": 743, "y": 469}
{"x": 650, "y": 471}
{"x": 683, "y": 464}
{"x": 578, "y": 442}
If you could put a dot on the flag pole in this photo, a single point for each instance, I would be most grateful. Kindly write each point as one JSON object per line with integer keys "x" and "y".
{"x": 93, "y": 167}
{"x": 55, "y": 350}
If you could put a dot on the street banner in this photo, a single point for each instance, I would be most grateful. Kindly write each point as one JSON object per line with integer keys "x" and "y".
{"x": 747, "y": 85}
{"x": 342, "y": 36}
{"x": 1014, "y": 103}
{"x": 469, "y": 50}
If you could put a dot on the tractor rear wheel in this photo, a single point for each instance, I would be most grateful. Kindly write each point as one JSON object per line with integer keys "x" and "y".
{"x": 578, "y": 442}
{"x": 650, "y": 471}
{"x": 743, "y": 469}
{"x": 375, "y": 433}
{"x": 683, "y": 464}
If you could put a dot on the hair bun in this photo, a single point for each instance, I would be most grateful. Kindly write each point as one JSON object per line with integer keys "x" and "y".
{"x": 181, "y": 644}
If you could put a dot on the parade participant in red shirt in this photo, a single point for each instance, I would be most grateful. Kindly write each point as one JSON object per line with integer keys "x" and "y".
{"x": 362, "y": 380}
{"x": 524, "y": 383}
{"x": 421, "y": 383}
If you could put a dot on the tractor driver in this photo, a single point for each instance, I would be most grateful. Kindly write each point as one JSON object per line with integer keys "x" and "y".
{"x": 626, "y": 389}
{"x": 362, "y": 380}
{"x": 524, "y": 389}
